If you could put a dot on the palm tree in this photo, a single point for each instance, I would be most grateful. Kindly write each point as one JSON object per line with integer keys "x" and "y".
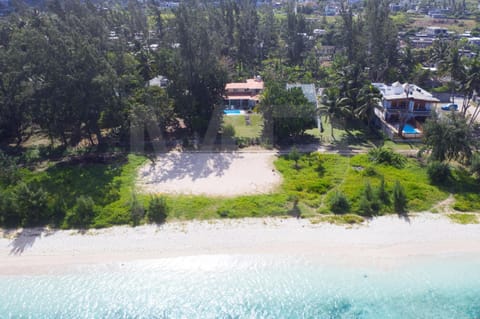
{"x": 453, "y": 65}
{"x": 370, "y": 99}
{"x": 333, "y": 106}
{"x": 471, "y": 86}
{"x": 439, "y": 52}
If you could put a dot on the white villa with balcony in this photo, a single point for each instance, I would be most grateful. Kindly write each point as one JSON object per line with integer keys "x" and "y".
{"x": 404, "y": 105}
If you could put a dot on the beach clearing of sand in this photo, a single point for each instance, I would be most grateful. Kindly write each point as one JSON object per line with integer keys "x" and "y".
{"x": 212, "y": 174}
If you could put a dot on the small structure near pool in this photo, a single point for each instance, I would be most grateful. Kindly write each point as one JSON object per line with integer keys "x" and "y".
{"x": 403, "y": 110}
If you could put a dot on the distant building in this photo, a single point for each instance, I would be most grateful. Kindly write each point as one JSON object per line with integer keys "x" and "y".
{"x": 308, "y": 90}
{"x": 395, "y": 7}
{"x": 474, "y": 41}
{"x": 437, "y": 31}
{"x": 5, "y": 7}
{"x": 326, "y": 52}
{"x": 319, "y": 32}
{"x": 160, "y": 81}
{"x": 331, "y": 10}
{"x": 421, "y": 42}
{"x": 439, "y": 13}
{"x": 243, "y": 95}
{"x": 428, "y": 36}
{"x": 404, "y": 104}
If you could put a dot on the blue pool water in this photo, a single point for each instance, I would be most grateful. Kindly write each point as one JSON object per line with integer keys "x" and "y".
{"x": 408, "y": 129}
{"x": 249, "y": 287}
{"x": 228, "y": 112}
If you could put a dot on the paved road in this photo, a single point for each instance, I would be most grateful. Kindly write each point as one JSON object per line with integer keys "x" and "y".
{"x": 459, "y": 101}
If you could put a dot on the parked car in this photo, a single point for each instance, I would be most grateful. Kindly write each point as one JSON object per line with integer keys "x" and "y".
{"x": 450, "y": 107}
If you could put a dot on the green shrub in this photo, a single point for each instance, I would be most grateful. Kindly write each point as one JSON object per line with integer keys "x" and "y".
{"x": 438, "y": 172}
{"x": 31, "y": 203}
{"x": 370, "y": 171}
{"x": 294, "y": 155}
{"x": 467, "y": 202}
{"x": 365, "y": 207}
{"x": 228, "y": 131}
{"x": 158, "y": 209}
{"x": 9, "y": 217}
{"x": 382, "y": 194}
{"x": 369, "y": 204}
{"x": 82, "y": 213}
{"x": 224, "y": 213}
{"x": 384, "y": 155}
{"x": 9, "y": 173}
{"x": 475, "y": 164}
{"x": 368, "y": 192}
{"x": 338, "y": 203}
{"x": 399, "y": 198}
{"x": 137, "y": 210}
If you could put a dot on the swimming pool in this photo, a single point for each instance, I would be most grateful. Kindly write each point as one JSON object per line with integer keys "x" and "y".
{"x": 409, "y": 129}
{"x": 229, "y": 112}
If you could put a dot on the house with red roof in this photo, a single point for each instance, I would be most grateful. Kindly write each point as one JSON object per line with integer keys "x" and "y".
{"x": 243, "y": 95}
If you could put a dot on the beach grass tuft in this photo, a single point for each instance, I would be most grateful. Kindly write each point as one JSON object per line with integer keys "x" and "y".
{"x": 464, "y": 219}
{"x": 347, "y": 219}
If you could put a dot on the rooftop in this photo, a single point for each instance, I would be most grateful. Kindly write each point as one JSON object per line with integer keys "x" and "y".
{"x": 399, "y": 91}
{"x": 252, "y": 84}
{"x": 307, "y": 89}
{"x": 160, "y": 81}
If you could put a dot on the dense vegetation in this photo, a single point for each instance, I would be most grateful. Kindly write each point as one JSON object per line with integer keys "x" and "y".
{"x": 99, "y": 194}
{"x": 70, "y": 195}
{"x": 78, "y": 71}
{"x": 76, "y": 75}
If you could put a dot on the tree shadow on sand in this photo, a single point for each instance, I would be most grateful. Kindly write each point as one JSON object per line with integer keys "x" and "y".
{"x": 405, "y": 217}
{"x": 194, "y": 165}
{"x": 25, "y": 239}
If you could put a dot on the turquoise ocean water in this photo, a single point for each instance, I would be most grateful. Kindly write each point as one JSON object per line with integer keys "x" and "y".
{"x": 230, "y": 286}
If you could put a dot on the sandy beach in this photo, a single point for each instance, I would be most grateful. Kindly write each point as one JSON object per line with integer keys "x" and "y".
{"x": 384, "y": 241}
{"x": 213, "y": 174}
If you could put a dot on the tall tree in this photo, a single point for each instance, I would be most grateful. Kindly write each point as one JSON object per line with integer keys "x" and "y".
{"x": 267, "y": 32}
{"x": 16, "y": 88}
{"x": 351, "y": 35}
{"x": 247, "y": 30}
{"x": 287, "y": 113}
{"x": 370, "y": 99}
{"x": 296, "y": 28}
{"x": 333, "y": 106}
{"x": 199, "y": 84}
{"x": 381, "y": 39}
{"x": 448, "y": 137}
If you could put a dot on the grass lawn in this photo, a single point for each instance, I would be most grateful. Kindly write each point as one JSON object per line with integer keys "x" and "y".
{"x": 241, "y": 128}
{"x": 322, "y": 174}
{"x": 203, "y": 207}
{"x": 357, "y": 137}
